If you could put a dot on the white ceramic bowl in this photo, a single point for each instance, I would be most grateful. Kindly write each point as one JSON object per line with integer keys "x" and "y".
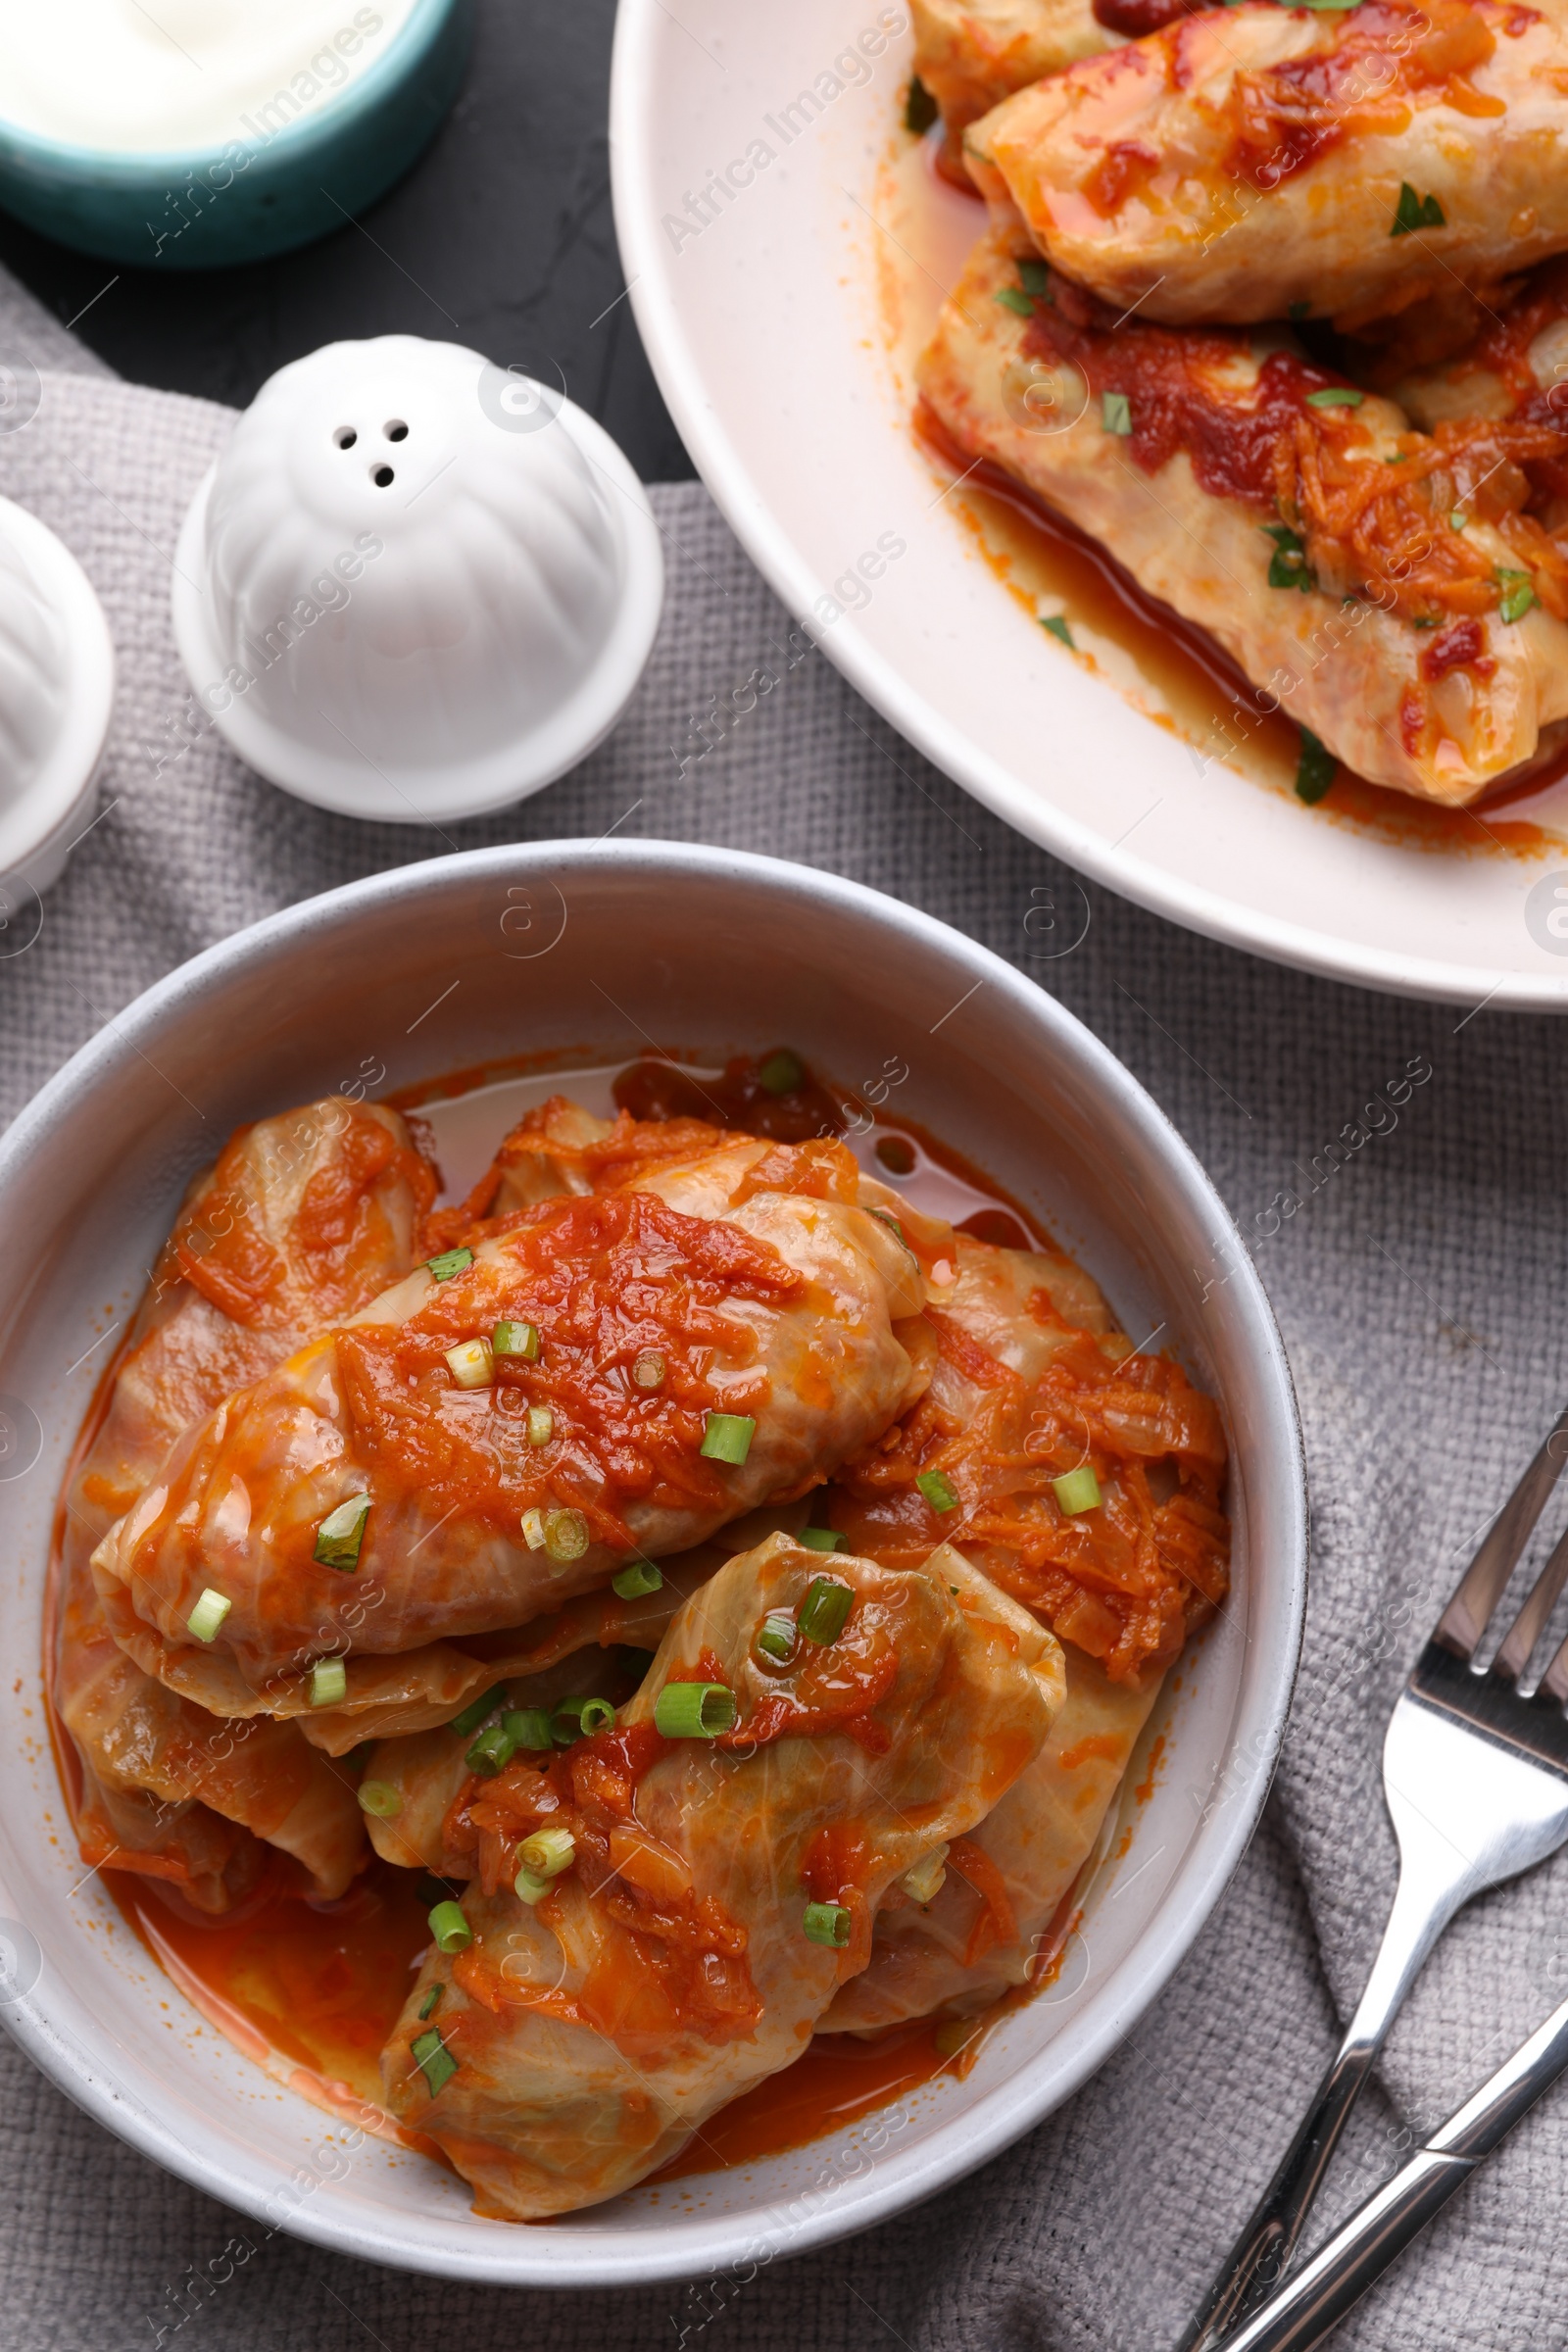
{"x": 57, "y": 692}
{"x": 527, "y": 949}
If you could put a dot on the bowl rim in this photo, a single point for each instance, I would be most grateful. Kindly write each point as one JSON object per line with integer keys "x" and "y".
{"x": 556, "y": 2254}
{"x": 125, "y": 168}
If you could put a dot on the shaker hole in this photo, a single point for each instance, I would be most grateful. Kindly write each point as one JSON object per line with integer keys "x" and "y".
{"x": 345, "y": 436}
{"x": 395, "y": 429}
{"x": 381, "y": 477}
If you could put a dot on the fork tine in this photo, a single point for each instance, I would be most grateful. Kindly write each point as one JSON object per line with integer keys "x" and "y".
{"x": 1526, "y": 1631}
{"x": 1553, "y": 1688}
{"x": 1486, "y": 1580}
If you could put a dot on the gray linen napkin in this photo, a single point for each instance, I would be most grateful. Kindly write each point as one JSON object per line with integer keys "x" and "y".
{"x": 1418, "y": 1284}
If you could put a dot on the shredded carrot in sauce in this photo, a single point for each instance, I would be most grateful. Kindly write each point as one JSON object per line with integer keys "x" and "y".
{"x": 606, "y": 1278}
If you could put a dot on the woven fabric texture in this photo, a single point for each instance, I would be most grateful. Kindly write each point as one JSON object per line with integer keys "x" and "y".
{"x": 1414, "y": 1281}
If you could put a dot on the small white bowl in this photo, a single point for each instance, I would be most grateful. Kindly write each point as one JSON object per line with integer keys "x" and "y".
{"x": 415, "y": 584}
{"x": 57, "y": 691}
{"x": 459, "y": 962}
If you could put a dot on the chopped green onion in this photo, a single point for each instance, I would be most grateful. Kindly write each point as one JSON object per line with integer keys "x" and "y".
{"x": 450, "y": 1929}
{"x": 827, "y": 1923}
{"x": 533, "y": 1529}
{"x": 782, "y": 1073}
{"x": 450, "y": 1263}
{"x": 1013, "y": 298}
{"x": 433, "y": 2059}
{"x": 923, "y": 1880}
{"x": 1315, "y": 769}
{"x": 919, "y": 107}
{"x": 648, "y": 1372}
{"x": 492, "y": 1750}
{"x": 825, "y": 1610}
{"x": 576, "y": 1718}
{"x": 1517, "y": 593}
{"x": 380, "y": 1798}
{"x": 471, "y": 1363}
{"x": 1334, "y": 396}
{"x": 208, "y": 1614}
{"x": 431, "y": 2001}
{"x": 727, "y": 1436}
{"x": 514, "y": 1340}
{"x": 528, "y": 1726}
{"x": 1413, "y": 211}
{"x": 1034, "y": 276}
{"x": 548, "y": 1852}
{"x": 1057, "y": 623}
{"x": 819, "y": 1539}
{"x": 638, "y": 1580}
{"x": 341, "y": 1534}
{"x": 329, "y": 1683}
{"x": 775, "y": 1636}
{"x": 1116, "y": 412}
{"x": 541, "y": 1421}
{"x": 1457, "y": 519}
{"x": 694, "y": 1710}
{"x": 1078, "y": 1491}
{"x": 566, "y": 1534}
{"x": 1287, "y": 567}
{"x": 528, "y": 1886}
{"x": 474, "y": 1713}
{"x": 937, "y": 1490}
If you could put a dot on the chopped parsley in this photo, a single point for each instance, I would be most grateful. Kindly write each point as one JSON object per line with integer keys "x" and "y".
{"x": 919, "y": 108}
{"x": 1057, "y": 623}
{"x": 1116, "y": 412}
{"x": 1013, "y": 298}
{"x": 1413, "y": 211}
{"x": 1315, "y": 771}
{"x": 1287, "y": 567}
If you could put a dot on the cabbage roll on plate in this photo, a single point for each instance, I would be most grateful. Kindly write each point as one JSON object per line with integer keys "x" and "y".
{"x": 1399, "y": 594}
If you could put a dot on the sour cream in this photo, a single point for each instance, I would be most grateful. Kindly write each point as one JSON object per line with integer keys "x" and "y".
{"x": 182, "y": 76}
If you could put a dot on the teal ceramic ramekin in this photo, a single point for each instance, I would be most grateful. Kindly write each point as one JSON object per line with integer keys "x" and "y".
{"x": 275, "y": 183}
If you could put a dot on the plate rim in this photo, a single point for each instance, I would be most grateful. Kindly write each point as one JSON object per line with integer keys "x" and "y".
{"x": 640, "y": 24}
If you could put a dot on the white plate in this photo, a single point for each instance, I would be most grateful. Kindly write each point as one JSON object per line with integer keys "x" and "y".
{"x": 765, "y": 326}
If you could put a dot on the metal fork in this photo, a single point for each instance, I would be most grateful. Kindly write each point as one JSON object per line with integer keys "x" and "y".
{"x": 1474, "y": 1775}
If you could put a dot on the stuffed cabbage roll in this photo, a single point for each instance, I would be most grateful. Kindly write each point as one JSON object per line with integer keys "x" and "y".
{"x": 996, "y": 1914}
{"x": 695, "y": 1898}
{"x": 1241, "y": 162}
{"x": 605, "y": 1377}
{"x": 1398, "y": 594}
{"x": 1085, "y": 1479}
{"x": 302, "y": 1217}
{"x": 971, "y": 54}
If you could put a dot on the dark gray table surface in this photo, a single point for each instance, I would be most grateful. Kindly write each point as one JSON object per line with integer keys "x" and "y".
{"x": 500, "y": 237}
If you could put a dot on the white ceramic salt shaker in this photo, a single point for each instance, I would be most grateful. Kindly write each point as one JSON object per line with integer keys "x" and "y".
{"x": 56, "y": 690}
{"x": 415, "y": 585}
